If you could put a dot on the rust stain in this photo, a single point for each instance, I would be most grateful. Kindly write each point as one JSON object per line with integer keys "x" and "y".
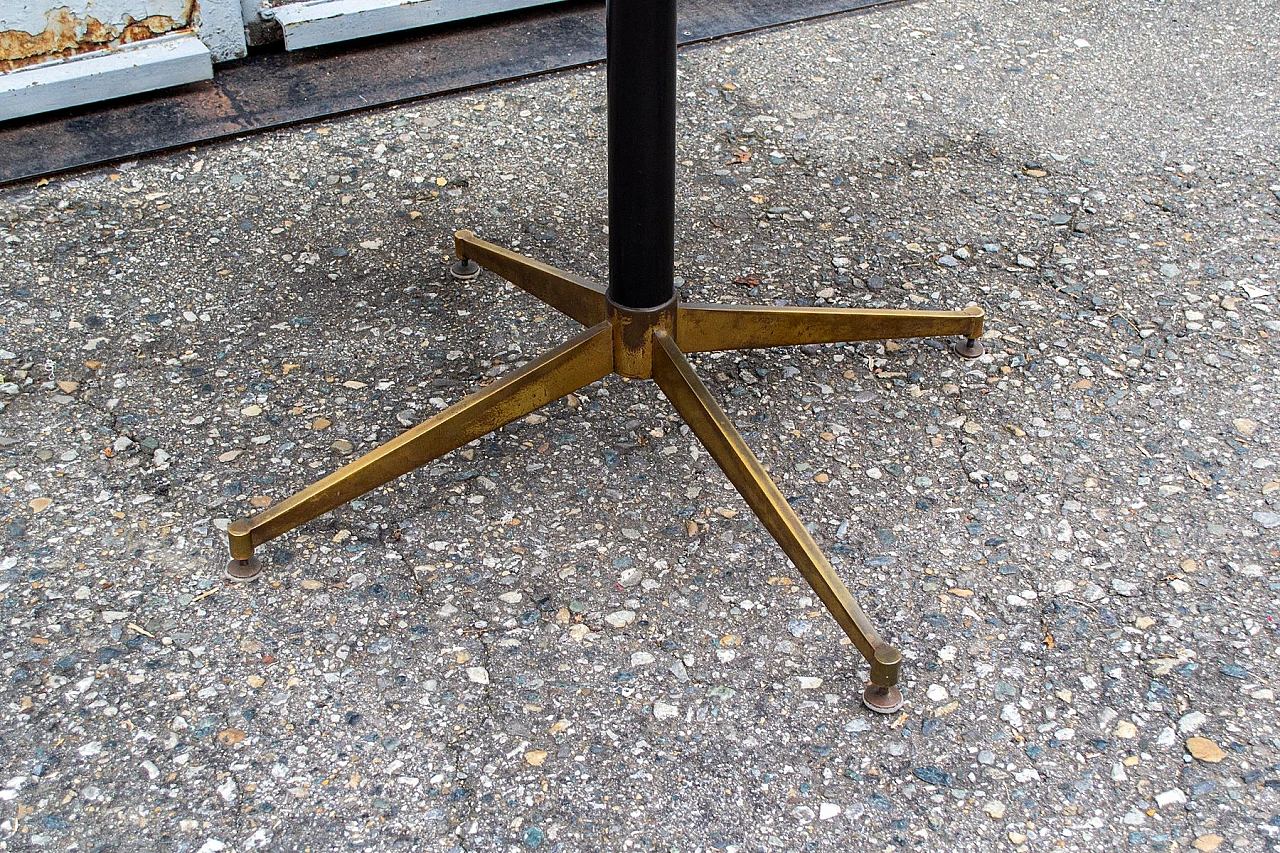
{"x": 66, "y": 35}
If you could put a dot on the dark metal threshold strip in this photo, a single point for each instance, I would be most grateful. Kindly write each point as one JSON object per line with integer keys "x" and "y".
{"x": 276, "y": 89}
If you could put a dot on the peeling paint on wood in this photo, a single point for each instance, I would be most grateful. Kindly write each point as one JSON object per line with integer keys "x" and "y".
{"x": 31, "y": 32}
{"x": 154, "y": 63}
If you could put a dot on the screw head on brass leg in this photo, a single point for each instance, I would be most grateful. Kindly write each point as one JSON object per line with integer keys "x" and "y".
{"x": 882, "y": 700}
{"x": 243, "y": 571}
{"x": 464, "y": 270}
{"x": 969, "y": 348}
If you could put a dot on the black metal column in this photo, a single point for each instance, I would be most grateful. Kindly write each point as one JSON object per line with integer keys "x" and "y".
{"x": 642, "y": 151}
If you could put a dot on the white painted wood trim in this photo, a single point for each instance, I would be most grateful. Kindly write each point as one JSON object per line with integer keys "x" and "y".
{"x": 157, "y": 63}
{"x": 220, "y": 24}
{"x": 328, "y": 21}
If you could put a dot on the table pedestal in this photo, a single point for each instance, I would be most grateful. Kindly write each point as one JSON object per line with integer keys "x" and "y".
{"x": 637, "y": 328}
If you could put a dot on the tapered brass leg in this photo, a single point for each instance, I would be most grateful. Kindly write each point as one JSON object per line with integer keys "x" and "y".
{"x": 708, "y": 328}
{"x": 677, "y": 379}
{"x": 580, "y": 299}
{"x": 565, "y": 369}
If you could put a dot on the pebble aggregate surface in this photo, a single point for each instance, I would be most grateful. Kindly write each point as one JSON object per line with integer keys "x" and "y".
{"x": 573, "y": 634}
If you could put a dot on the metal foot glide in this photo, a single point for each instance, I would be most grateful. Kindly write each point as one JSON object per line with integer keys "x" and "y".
{"x": 636, "y": 328}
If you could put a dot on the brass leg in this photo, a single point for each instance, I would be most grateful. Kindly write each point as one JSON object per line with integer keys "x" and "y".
{"x": 580, "y": 299}
{"x": 565, "y": 369}
{"x": 677, "y": 379}
{"x": 708, "y": 328}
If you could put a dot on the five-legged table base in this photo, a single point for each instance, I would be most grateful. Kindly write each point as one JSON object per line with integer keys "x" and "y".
{"x": 648, "y": 344}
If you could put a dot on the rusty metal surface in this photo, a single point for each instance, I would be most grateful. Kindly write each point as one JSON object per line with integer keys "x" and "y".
{"x": 276, "y": 89}
{"x": 67, "y": 33}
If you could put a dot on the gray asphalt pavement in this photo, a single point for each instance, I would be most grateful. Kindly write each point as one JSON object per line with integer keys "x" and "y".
{"x": 573, "y": 635}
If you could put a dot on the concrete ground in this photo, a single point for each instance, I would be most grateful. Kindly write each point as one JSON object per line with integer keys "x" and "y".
{"x": 573, "y": 635}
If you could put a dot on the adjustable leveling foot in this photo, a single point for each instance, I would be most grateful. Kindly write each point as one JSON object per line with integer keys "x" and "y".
{"x": 243, "y": 571}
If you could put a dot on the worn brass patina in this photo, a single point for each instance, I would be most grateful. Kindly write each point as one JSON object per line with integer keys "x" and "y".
{"x": 578, "y": 298}
{"x": 641, "y": 344}
{"x": 710, "y": 328}
{"x": 633, "y": 333}
{"x": 678, "y": 381}
{"x": 563, "y": 370}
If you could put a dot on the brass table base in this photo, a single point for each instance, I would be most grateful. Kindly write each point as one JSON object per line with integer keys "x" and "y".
{"x": 648, "y": 344}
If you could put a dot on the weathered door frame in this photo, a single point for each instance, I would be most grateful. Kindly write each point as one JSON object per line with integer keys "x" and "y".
{"x": 56, "y": 54}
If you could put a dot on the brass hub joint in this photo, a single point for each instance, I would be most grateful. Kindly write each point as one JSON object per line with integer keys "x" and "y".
{"x": 633, "y": 330}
